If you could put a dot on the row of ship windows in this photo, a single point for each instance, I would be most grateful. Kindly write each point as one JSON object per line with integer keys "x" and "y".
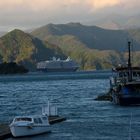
{"x": 124, "y": 74}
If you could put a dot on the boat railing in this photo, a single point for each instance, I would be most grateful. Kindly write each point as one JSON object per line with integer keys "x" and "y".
{"x": 122, "y": 80}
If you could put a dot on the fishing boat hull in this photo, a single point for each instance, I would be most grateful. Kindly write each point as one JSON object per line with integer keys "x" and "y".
{"x": 122, "y": 99}
{"x": 129, "y": 101}
{"x": 22, "y": 131}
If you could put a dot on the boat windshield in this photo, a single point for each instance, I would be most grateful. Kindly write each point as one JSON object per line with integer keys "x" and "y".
{"x": 23, "y": 119}
{"x": 38, "y": 121}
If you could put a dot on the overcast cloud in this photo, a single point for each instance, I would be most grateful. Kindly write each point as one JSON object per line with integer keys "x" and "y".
{"x": 25, "y": 14}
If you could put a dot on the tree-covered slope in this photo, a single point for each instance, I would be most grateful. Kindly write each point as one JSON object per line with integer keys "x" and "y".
{"x": 87, "y": 58}
{"x": 20, "y": 47}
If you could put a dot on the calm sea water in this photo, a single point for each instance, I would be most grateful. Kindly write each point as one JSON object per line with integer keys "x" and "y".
{"x": 73, "y": 94}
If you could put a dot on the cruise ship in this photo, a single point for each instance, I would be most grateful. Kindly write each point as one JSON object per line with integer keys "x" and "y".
{"x": 57, "y": 65}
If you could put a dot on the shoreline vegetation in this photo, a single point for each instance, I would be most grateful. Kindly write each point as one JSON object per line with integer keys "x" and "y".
{"x": 12, "y": 68}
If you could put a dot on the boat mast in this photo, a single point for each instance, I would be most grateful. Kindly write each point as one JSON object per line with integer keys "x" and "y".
{"x": 129, "y": 62}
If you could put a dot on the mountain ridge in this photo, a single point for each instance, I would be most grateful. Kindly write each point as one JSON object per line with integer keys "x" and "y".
{"x": 92, "y": 36}
{"x": 90, "y": 46}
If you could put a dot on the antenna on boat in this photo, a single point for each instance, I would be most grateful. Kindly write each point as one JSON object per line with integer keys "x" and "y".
{"x": 46, "y": 109}
{"x": 129, "y": 62}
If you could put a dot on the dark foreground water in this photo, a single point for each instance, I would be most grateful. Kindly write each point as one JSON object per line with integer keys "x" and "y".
{"x": 74, "y": 95}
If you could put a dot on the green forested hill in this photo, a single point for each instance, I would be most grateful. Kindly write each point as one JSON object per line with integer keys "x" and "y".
{"x": 20, "y": 47}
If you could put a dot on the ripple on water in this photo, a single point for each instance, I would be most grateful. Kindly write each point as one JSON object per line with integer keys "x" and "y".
{"x": 86, "y": 119}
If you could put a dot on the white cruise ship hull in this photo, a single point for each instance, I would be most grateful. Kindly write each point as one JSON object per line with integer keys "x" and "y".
{"x": 58, "y": 69}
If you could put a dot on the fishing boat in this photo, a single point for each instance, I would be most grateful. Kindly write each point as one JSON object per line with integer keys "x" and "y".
{"x": 32, "y": 125}
{"x": 125, "y": 83}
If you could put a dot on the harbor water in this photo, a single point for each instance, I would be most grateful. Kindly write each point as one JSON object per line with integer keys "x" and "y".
{"x": 73, "y": 94}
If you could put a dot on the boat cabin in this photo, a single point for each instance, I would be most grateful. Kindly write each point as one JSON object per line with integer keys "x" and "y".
{"x": 121, "y": 74}
{"x": 32, "y": 119}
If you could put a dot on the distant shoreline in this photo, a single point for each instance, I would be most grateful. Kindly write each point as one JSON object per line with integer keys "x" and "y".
{"x": 12, "y": 68}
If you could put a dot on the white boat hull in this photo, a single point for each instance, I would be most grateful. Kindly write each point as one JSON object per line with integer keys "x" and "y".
{"x": 20, "y": 131}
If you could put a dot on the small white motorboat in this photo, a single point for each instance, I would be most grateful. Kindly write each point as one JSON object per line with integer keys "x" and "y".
{"x": 29, "y": 125}
{"x": 33, "y": 125}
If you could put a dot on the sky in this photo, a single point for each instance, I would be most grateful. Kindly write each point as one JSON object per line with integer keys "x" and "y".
{"x": 27, "y": 14}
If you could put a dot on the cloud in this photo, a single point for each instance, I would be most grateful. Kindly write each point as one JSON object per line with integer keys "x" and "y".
{"x": 43, "y": 4}
{"x": 99, "y": 4}
{"x": 48, "y": 4}
{"x": 130, "y": 4}
{"x": 29, "y": 13}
